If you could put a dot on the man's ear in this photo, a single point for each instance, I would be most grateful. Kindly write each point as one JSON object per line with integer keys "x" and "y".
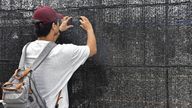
{"x": 54, "y": 25}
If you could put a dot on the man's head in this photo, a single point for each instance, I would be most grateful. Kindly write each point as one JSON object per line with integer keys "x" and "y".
{"x": 46, "y": 21}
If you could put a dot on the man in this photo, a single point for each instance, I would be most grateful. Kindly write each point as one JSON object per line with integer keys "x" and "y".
{"x": 54, "y": 73}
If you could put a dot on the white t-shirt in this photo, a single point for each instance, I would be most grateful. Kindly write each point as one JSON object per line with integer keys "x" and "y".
{"x": 56, "y": 70}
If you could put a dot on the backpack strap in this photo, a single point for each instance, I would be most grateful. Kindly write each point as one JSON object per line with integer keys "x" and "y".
{"x": 23, "y": 57}
{"x": 37, "y": 61}
{"x": 21, "y": 62}
{"x": 58, "y": 98}
{"x": 43, "y": 55}
{"x": 34, "y": 66}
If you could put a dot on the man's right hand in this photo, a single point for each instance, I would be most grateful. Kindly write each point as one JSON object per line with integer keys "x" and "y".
{"x": 85, "y": 24}
{"x": 91, "y": 41}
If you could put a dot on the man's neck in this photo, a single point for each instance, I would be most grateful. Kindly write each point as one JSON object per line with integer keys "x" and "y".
{"x": 46, "y": 38}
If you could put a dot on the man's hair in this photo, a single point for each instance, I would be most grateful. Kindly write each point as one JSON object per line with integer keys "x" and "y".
{"x": 43, "y": 29}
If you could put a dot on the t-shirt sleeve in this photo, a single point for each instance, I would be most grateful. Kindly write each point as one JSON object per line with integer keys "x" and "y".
{"x": 79, "y": 55}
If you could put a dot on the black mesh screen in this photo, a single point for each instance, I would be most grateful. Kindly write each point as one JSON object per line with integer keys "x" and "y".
{"x": 144, "y": 57}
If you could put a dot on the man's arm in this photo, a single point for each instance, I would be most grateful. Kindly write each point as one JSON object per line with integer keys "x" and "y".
{"x": 86, "y": 25}
{"x": 91, "y": 41}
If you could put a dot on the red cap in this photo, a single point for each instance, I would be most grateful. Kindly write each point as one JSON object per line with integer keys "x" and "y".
{"x": 46, "y": 14}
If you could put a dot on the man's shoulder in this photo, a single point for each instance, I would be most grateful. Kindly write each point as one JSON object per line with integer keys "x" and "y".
{"x": 66, "y": 46}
